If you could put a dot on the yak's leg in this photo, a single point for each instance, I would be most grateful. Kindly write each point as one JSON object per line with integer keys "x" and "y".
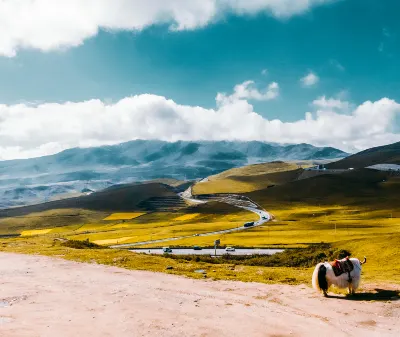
{"x": 351, "y": 289}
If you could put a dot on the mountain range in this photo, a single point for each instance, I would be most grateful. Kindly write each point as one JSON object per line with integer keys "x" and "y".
{"x": 83, "y": 170}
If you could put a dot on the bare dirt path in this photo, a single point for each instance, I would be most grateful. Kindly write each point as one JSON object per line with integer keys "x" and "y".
{"x": 41, "y": 296}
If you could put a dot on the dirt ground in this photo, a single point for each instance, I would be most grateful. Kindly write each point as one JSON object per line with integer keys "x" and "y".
{"x": 41, "y": 296}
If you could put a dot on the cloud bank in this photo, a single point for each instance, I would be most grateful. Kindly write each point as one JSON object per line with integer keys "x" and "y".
{"x": 53, "y": 24}
{"x": 29, "y": 131}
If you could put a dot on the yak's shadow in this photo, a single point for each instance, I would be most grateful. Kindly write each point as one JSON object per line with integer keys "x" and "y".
{"x": 378, "y": 295}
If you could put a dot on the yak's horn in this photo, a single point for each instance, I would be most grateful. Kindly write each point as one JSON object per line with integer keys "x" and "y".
{"x": 365, "y": 260}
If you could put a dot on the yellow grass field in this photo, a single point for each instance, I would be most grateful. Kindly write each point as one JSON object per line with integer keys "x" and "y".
{"x": 364, "y": 231}
{"x": 149, "y": 226}
{"x": 123, "y": 216}
{"x": 112, "y": 241}
{"x": 139, "y": 232}
{"x": 36, "y": 232}
{"x": 186, "y": 217}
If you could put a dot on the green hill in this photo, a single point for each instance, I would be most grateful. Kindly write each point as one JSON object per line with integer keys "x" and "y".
{"x": 115, "y": 199}
{"x": 249, "y": 178}
{"x": 362, "y": 187}
{"x": 388, "y": 154}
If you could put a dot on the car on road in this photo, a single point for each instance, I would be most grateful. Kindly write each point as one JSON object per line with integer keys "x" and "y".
{"x": 229, "y": 249}
{"x": 264, "y": 217}
{"x": 167, "y": 250}
{"x": 197, "y": 248}
{"x": 249, "y": 224}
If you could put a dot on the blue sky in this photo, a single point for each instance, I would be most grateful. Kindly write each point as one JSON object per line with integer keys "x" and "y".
{"x": 351, "y": 47}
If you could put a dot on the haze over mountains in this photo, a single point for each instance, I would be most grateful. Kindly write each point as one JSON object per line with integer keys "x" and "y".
{"x": 80, "y": 170}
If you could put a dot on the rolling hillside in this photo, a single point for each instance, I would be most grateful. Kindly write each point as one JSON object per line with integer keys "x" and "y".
{"x": 254, "y": 170}
{"x": 116, "y": 199}
{"x": 388, "y": 154}
{"x": 363, "y": 187}
{"x": 249, "y": 178}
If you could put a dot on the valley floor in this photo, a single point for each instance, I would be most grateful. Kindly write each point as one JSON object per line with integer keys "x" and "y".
{"x": 42, "y": 296}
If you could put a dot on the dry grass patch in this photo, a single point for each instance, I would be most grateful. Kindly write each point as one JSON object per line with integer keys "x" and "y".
{"x": 186, "y": 217}
{"x": 123, "y": 216}
{"x": 113, "y": 241}
{"x": 36, "y": 232}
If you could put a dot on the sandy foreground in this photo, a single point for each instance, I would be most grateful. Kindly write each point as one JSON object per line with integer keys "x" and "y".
{"x": 41, "y": 296}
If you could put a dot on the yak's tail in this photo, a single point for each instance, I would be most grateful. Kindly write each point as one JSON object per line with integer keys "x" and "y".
{"x": 319, "y": 281}
{"x": 365, "y": 261}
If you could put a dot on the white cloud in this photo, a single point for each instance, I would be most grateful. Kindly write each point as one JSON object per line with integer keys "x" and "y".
{"x": 264, "y": 72}
{"x": 247, "y": 90}
{"x": 309, "y": 80}
{"x": 331, "y": 103}
{"x": 27, "y": 131}
{"x": 53, "y": 24}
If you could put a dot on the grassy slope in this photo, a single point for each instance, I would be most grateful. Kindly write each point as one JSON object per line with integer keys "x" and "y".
{"x": 118, "y": 199}
{"x": 362, "y": 187}
{"x": 257, "y": 169}
{"x": 249, "y": 178}
{"x": 82, "y": 224}
{"x": 49, "y": 219}
{"x": 388, "y": 154}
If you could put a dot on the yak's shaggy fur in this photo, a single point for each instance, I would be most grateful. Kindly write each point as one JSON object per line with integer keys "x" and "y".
{"x": 324, "y": 277}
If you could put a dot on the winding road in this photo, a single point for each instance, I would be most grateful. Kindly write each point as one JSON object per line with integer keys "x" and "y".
{"x": 232, "y": 199}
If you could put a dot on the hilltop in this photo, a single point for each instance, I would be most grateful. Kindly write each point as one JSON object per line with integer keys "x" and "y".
{"x": 388, "y": 154}
{"x": 249, "y": 178}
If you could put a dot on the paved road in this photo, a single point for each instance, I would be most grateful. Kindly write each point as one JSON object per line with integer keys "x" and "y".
{"x": 239, "y": 252}
{"x": 232, "y": 200}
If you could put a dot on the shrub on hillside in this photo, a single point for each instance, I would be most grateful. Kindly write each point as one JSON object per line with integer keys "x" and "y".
{"x": 78, "y": 244}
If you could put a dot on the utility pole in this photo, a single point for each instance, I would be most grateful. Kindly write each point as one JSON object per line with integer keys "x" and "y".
{"x": 216, "y": 243}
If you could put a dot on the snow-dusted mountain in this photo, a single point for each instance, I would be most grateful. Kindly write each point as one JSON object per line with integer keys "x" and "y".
{"x": 78, "y": 170}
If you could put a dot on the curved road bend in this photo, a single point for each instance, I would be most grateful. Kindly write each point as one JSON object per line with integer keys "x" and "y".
{"x": 187, "y": 195}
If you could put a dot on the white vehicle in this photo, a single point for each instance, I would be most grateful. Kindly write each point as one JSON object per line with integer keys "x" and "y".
{"x": 229, "y": 249}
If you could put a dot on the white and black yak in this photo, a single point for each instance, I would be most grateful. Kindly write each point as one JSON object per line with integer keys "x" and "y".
{"x": 345, "y": 273}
